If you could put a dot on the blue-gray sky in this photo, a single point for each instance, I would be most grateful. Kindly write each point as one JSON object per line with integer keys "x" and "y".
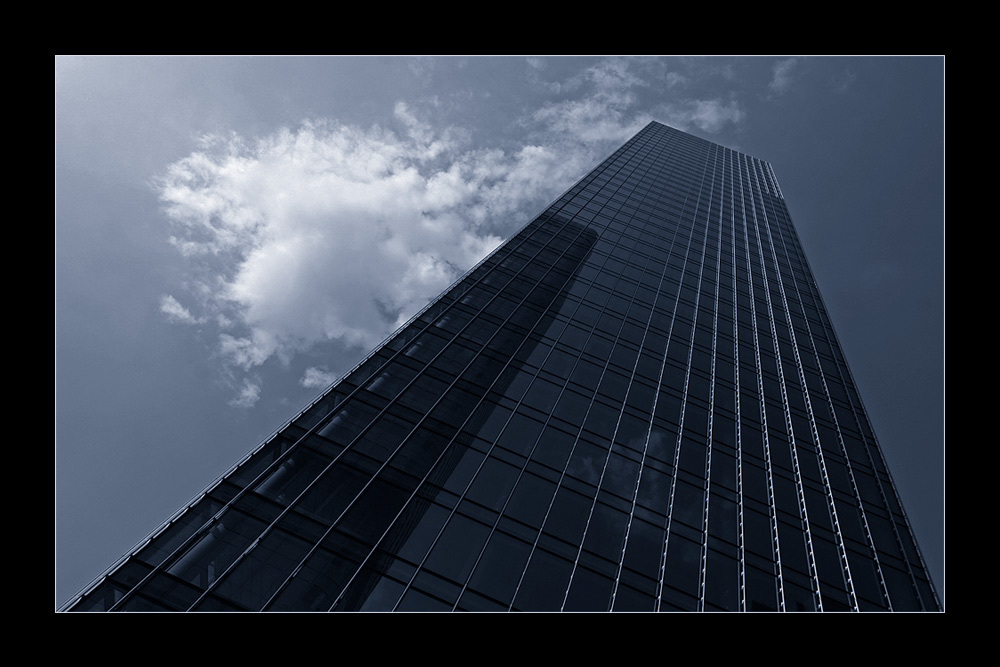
{"x": 234, "y": 233}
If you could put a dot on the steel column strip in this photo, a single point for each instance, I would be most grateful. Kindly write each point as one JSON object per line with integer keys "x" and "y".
{"x": 836, "y": 421}
{"x": 788, "y": 419}
{"x": 684, "y": 398}
{"x": 703, "y": 574}
{"x": 772, "y": 510}
{"x": 740, "y": 537}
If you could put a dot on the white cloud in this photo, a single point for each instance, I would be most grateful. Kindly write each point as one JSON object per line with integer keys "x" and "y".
{"x": 249, "y": 394}
{"x": 707, "y": 115}
{"x": 603, "y": 113}
{"x": 712, "y": 115}
{"x": 317, "y": 378}
{"x": 782, "y": 75}
{"x": 607, "y": 111}
{"x": 335, "y": 233}
{"x": 175, "y": 312}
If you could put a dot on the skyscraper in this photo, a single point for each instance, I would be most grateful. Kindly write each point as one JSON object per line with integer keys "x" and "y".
{"x": 636, "y": 403}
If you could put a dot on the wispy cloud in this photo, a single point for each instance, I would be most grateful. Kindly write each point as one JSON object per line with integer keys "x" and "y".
{"x": 248, "y": 395}
{"x": 602, "y": 111}
{"x": 709, "y": 116}
{"x": 317, "y": 378}
{"x": 175, "y": 312}
{"x": 842, "y": 83}
{"x": 781, "y": 77}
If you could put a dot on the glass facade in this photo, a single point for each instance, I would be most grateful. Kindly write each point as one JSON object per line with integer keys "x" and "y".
{"x": 636, "y": 403}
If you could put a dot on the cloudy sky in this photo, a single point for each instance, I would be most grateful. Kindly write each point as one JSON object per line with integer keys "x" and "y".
{"x": 232, "y": 234}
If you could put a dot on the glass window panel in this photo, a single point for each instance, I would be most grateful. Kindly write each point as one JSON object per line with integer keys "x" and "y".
{"x": 620, "y": 475}
{"x": 560, "y": 363}
{"x": 333, "y": 492}
{"x": 520, "y": 434}
{"x": 289, "y": 479}
{"x": 606, "y": 532}
{"x": 530, "y": 500}
{"x": 171, "y": 592}
{"x": 371, "y": 514}
{"x": 614, "y": 385}
{"x": 761, "y": 590}
{"x": 587, "y": 462}
{"x": 493, "y": 484}
{"x": 459, "y": 546}
{"x": 423, "y": 393}
{"x": 348, "y": 422}
{"x": 415, "y": 600}
{"x": 542, "y": 395}
{"x": 217, "y": 548}
{"x": 722, "y": 581}
{"x": 587, "y": 373}
{"x": 568, "y": 515}
{"x": 415, "y": 530}
{"x": 553, "y": 447}
{"x": 589, "y": 591}
{"x": 182, "y": 528}
{"x": 602, "y": 420}
{"x": 457, "y": 468}
{"x": 544, "y": 584}
{"x": 419, "y": 453}
{"x": 257, "y": 576}
{"x": 571, "y": 406}
{"x": 371, "y": 591}
{"x": 500, "y": 568}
